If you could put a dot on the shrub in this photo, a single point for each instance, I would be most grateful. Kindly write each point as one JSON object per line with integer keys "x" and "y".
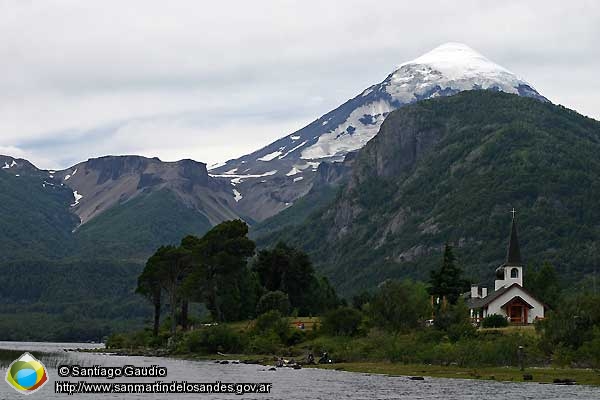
{"x": 343, "y": 321}
{"x": 273, "y": 301}
{"x": 116, "y": 341}
{"x": 130, "y": 340}
{"x": 589, "y": 352}
{"x": 213, "y": 339}
{"x": 494, "y": 321}
{"x": 400, "y": 305}
{"x": 265, "y": 344}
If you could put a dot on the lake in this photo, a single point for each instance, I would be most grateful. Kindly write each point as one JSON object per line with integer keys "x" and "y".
{"x": 287, "y": 383}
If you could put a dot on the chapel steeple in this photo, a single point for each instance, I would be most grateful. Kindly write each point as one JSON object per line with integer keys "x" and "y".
{"x": 513, "y": 254}
{"x": 512, "y": 270}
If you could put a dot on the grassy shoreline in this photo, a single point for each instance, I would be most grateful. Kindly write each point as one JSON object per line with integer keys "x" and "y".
{"x": 504, "y": 374}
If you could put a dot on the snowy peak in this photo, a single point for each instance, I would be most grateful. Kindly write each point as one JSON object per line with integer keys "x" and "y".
{"x": 444, "y": 71}
{"x": 449, "y": 68}
{"x": 456, "y": 60}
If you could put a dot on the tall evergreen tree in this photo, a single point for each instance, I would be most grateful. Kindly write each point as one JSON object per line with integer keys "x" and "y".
{"x": 174, "y": 264}
{"x": 219, "y": 274}
{"x": 284, "y": 268}
{"x": 543, "y": 282}
{"x": 149, "y": 285}
{"x": 447, "y": 281}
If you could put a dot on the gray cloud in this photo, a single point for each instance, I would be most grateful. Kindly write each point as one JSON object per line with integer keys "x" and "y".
{"x": 215, "y": 80}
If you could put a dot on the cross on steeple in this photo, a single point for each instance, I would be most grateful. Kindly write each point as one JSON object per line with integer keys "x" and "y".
{"x": 513, "y": 211}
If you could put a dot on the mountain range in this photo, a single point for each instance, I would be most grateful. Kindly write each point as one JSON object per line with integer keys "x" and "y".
{"x": 113, "y": 198}
{"x": 439, "y": 151}
{"x": 103, "y": 198}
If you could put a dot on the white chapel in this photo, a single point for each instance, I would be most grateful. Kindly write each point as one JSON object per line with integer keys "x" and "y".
{"x": 509, "y": 298}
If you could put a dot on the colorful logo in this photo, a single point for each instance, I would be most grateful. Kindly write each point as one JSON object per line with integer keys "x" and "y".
{"x": 26, "y": 374}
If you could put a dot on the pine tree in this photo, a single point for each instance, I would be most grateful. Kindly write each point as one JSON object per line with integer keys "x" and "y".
{"x": 447, "y": 281}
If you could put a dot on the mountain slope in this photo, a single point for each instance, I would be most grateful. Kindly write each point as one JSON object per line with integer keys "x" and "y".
{"x": 34, "y": 214}
{"x": 74, "y": 241}
{"x": 272, "y": 178}
{"x": 130, "y": 203}
{"x": 138, "y": 227}
{"x": 450, "y": 169}
{"x": 104, "y": 182}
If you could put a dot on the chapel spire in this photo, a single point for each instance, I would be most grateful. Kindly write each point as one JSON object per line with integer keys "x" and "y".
{"x": 513, "y": 255}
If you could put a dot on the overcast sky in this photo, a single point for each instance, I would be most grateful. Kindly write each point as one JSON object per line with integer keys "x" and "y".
{"x": 216, "y": 80}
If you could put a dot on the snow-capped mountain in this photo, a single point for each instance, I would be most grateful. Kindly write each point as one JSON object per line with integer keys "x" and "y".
{"x": 270, "y": 179}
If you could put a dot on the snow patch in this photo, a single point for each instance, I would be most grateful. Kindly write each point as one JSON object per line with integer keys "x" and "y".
{"x": 217, "y": 165}
{"x": 313, "y": 164}
{"x": 270, "y": 156}
{"x": 298, "y": 178}
{"x": 231, "y": 171}
{"x": 67, "y": 177}
{"x": 13, "y": 163}
{"x": 6, "y": 166}
{"x": 74, "y": 172}
{"x": 237, "y": 196}
{"x": 295, "y": 170}
{"x": 350, "y": 135}
{"x": 77, "y": 198}
{"x": 239, "y": 178}
{"x": 295, "y": 148}
{"x": 294, "y": 137}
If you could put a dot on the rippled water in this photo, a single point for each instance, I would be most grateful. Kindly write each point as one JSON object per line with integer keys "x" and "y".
{"x": 287, "y": 383}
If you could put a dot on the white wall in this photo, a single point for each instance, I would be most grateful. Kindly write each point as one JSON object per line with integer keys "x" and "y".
{"x": 536, "y": 311}
{"x": 507, "y": 281}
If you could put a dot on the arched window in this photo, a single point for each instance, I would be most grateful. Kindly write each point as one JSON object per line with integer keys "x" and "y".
{"x": 514, "y": 273}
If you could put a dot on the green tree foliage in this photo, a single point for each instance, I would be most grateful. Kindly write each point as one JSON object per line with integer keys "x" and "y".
{"x": 149, "y": 285}
{"x": 543, "y": 283}
{"x": 134, "y": 229}
{"x": 172, "y": 265}
{"x": 400, "y": 305}
{"x": 454, "y": 320}
{"x": 572, "y": 322}
{"x": 289, "y": 270}
{"x": 361, "y": 299}
{"x": 343, "y": 321}
{"x": 220, "y": 276}
{"x": 271, "y": 331}
{"x": 213, "y": 339}
{"x": 589, "y": 352}
{"x": 36, "y": 218}
{"x": 80, "y": 300}
{"x": 276, "y": 300}
{"x": 448, "y": 281}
